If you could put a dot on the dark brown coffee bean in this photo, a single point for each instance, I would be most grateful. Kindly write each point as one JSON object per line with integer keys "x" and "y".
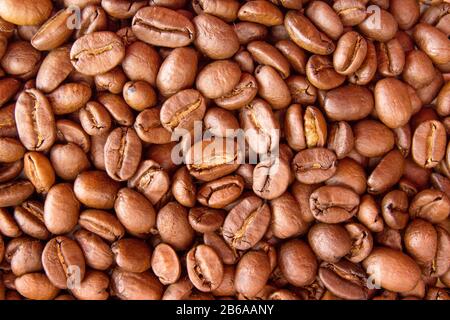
{"x": 30, "y": 218}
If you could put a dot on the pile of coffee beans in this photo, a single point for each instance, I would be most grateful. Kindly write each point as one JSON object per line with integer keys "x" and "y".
{"x": 225, "y": 149}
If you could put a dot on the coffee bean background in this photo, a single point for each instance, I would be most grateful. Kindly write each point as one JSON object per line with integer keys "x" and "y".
{"x": 346, "y": 102}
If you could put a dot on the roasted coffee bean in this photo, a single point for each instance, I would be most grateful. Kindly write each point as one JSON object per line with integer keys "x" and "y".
{"x": 166, "y": 264}
{"x": 372, "y": 138}
{"x": 333, "y": 204}
{"x": 387, "y": 266}
{"x": 182, "y": 110}
{"x": 69, "y": 97}
{"x": 97, "y": 253}
{"x": 15, "y": 192}
{"x": 246, "y": 223}
{"x": 271, "y": 177}
{"x": 215, "y": 38}
{"x": 135, "y": 286}
{"x": 350, "y": 53}
{"x": 122, "y": 153}
{"x": 135, "y": 212}
{"x": 387, "y": 173}
{"x": 218, "y": 78}
{"x": 35, "y": 121}
{"x": 151, "y": 180}
{"x": 131, "y": 255}
{"x": 205, "y": 269}
{"x": 63, "y": 262}
{"x": 183, "y": 187}
{"x": 173, "y": 225}
{"x": 210, "y": 159}
{"x": 163, "y": 27}
{"x": 330, "y": 242}
{"x": 362, "y": 242}
{"x": 321, "y": 73}
{"x": 96, "y": 189}
{"x": 36, "y": 286}
{"x": 241, "y": 95}
{"x": 344, "y": 279}
{"x": 53, "y": 33}
{"x": 287, "y": 220}
{"x": 262, "y": 12}
{"x": 297, "y": 262}
{"x": 97, "y": 53}
{"x": 221, "y": 192}
{"x": 314, "y": 165}
{"x": 252, "y": 273}
{"x": 102, "y": 223}
{"x": 394, "y": 209}
{"x": 433, "y": 42}
{"x": 429, "y": 143}
{"x": 61, "y": 209}
{"x": 379, "y": 25}
{"x": 429, "y": 204}
{"x": 303, "y": 32}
